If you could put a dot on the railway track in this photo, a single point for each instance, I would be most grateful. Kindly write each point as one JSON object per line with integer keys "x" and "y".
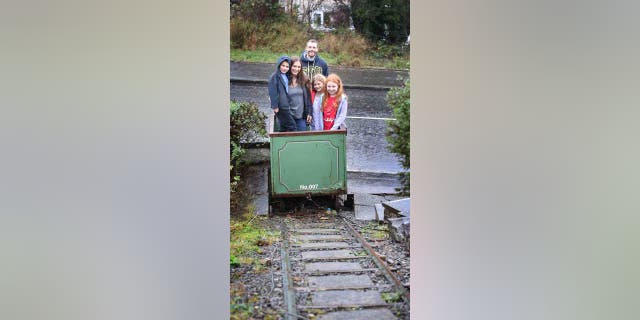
{"x": 330, "y": 272}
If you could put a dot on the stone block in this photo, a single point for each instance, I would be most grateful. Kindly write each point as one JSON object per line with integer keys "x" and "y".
{"x": 346, "y": 298}
{"x": 322, "y": 245}
{"x": 396, "y": 208}
{"x": 364, "y": 314}
{"x": 332, "y": 266}
{"x": 398, "y": 228}
{"x": 364, "y": 206}
{"x": 340, "y": 281}
{"x": 327, "y": 254}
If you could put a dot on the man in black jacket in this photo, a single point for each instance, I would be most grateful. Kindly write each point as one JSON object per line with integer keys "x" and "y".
{"x": 312, "y": 64}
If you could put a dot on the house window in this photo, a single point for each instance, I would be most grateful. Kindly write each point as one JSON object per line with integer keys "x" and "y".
{"x": 317, "y": 19}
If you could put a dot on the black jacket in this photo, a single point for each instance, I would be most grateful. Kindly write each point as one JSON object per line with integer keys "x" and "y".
{"x": 313, "y": 67}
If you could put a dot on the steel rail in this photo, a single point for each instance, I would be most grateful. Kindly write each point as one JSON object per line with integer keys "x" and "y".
{"x": 376, "y": 259}
{"x": 287, "y": 281}
{"x": 291, "y": 291}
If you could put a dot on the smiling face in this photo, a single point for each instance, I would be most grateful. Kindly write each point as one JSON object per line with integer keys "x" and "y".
{"x": 332, "y": 88}
{"x": 296, "y": 67}
{"x": 284, "y": 67}
{"x": 318, "y": 85}
{"x": 312, "y": 49}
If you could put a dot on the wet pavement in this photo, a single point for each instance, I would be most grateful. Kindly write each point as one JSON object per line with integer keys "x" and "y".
{"x": 367, "y": 78}
{"x": 371, "y": 168}
{"x": 367, "y": 115}
{"x": 369, "y": 188}
{"x": 366, "y": 125}
{"x": 362, "y": 102}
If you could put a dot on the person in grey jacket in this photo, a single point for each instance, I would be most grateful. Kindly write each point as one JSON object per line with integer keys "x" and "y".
{"x": 299, "y": 95}
{"x": 278, "y": 95}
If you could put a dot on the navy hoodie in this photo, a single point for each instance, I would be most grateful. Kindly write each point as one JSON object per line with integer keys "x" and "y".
{"x": 277, "y": 86}
{"x": 314, "y": 66}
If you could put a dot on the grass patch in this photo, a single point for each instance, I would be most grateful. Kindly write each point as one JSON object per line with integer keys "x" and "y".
{"x": 375, "y": 231}
{"x": 265, "y": 41}
{"x": 247, "y": 241}
{"x": 333, "y": 59}
{"x": 390, "y": 297}
{"x": 361, "y": 254}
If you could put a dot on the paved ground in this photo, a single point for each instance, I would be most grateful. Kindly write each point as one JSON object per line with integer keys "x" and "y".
{"x": 366, "y": 123}
{"x": 368, "y": 190}
{"x": 367, "y": 116}
{"x": 369, "y": 179}
{"x": 362, "y": 78}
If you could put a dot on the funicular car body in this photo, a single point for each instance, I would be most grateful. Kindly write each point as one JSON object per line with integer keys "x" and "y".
{"x": 306, "y": 164}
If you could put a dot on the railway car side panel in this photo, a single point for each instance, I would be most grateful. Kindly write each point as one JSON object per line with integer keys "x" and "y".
{"x": 308, "y": 163}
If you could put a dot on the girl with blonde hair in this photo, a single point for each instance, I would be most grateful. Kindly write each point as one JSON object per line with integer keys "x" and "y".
{"x": 333, "y": 105}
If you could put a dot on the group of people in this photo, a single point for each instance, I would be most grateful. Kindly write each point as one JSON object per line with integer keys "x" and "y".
{"x": 304, "y": 96}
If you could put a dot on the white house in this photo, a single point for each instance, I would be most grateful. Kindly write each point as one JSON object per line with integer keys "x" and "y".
{"x": 314, "y": 11}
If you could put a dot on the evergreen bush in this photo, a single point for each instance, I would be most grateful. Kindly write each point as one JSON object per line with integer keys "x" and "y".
{"x": 398, "y": 132}
{"x": 247, "y": 123}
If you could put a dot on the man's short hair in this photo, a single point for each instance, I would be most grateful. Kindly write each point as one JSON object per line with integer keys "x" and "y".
{"x": 312, "y": 41}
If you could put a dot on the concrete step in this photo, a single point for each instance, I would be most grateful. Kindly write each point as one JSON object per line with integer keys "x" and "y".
{"x": 324, "y": 245}
{"x": 365, "y": 206}
{"x": 316, "y": 231}
{"x": 339, "y": 281}
{"x": 331, "y": 254}
{"x": 332, "y": 266}
{"x": 400, "y": 207}
{"x": 347, "y": 298}
{"x": 364, "y": 314}
{"x": 317, "y": 237}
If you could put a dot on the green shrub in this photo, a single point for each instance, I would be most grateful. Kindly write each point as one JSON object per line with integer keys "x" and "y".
{"x": 247, "y": 123}
{"x": 398, "y": 132}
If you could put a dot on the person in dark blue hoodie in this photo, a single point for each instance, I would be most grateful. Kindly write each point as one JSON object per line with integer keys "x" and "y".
{"x": 278, "y": 90}
{"x": 312, "y": 64}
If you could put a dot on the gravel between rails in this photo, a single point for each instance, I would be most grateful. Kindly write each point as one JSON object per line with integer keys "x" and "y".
{"x": 258, "y": 294}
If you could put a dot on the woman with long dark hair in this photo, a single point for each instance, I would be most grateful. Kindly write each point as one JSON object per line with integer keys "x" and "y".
{"x": 299, "y": 95}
